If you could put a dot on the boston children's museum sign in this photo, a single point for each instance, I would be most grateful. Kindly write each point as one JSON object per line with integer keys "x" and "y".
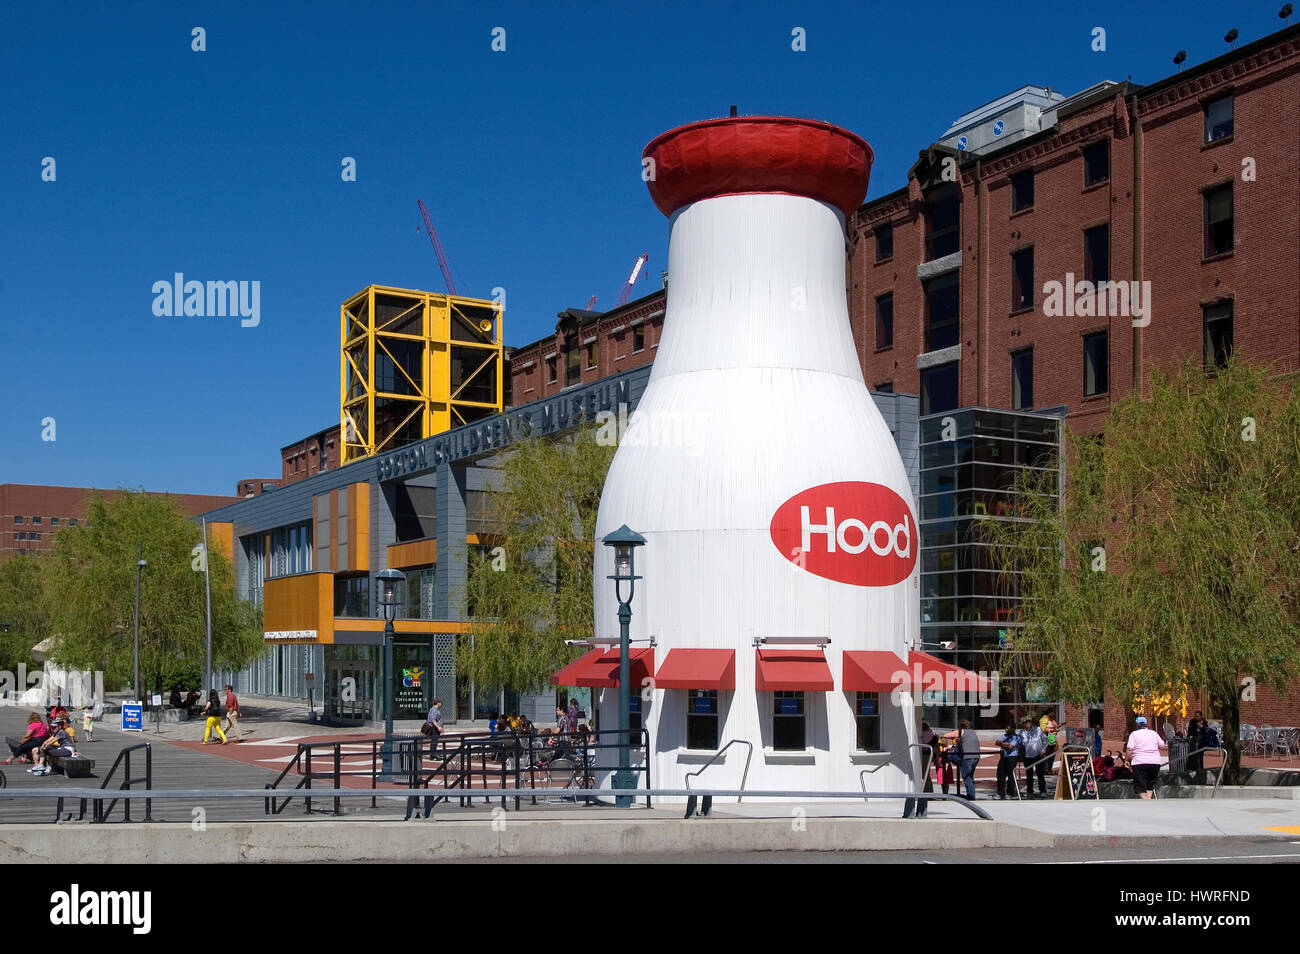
{"x": 550, "y": 416}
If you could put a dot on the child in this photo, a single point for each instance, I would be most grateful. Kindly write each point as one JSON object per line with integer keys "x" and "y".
{"x": 88, "y": 722}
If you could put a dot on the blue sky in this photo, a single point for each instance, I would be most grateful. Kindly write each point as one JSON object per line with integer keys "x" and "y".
{"x": 225, "y": 165}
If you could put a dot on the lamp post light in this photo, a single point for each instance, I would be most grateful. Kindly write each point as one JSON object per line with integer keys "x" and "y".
{"x": 140, "y": 564}
{"x": 388, "y": 580}
{"x": 624, "y": 542}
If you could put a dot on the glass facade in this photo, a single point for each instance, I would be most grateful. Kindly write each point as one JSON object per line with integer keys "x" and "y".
{"x": 971, "y": 461}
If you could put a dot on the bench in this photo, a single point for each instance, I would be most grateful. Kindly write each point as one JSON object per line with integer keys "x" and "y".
{"x": 72, "y": 766}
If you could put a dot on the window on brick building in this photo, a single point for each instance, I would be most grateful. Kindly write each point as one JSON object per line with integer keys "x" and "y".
{"x": 18, "y": 519}
{"x": 638, "y": 338}
{"x": 1096, "y": 163}
{"x": 591, "y": 355}
{"x": 1096, "y": 363}
{"x": 20, "y": 535}
{"x": 54, "y": 521}
{"x": 942, "y": 311}
{"x": 1022, "y": 279}
{"x": 1096, "y": 254}
{"x": 550, "y": 371}
{"x": 942, "y": 221}
{"x": 1022, "y": 380}
{"x": 72, "y": 522}
{"x": 1218, "y": 220}
{"x": 1218, "y": 119}
{"x": 36, "y": 519}
{"x": 884, "y": 241}
{"x": 884, "y": 387}
{"x": 884, "y": 322}
{"x": 572, "y": 361}
{"x": 939, "y": 388}
{"x": 1217, "y": 320}
{"x": 1022, "y": 191}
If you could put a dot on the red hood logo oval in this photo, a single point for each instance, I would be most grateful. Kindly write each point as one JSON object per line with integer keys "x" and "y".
{"x": 851, "y": 531}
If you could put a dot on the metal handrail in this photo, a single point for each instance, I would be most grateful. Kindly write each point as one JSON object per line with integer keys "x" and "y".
{"x": 707, "y": 805}
{"x": 199, "y": 793}
{"x": 124, "y": 755}
{"x": 1222, "y": 765}
{"x": 862, "y": 781}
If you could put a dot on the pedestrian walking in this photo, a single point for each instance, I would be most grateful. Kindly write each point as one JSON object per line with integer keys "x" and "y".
{"x": 212, "y": 718}
{"x": 930, "y": 739}
{"x": 1143, "y": 752}
{"x": 233, "y": 714}
{"x": 88, "y": 723}
{"x": 1010, "y": 756}
{"x": 1035, "y": 747}
{"x": 435, "y": 723}
{"x": 573, "y": 715}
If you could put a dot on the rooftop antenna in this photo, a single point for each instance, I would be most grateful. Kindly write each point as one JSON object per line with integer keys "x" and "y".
{"x": 1285, "y": 12}
{"x": 1230, "y": 38}
{"x": 1178, "y": 59}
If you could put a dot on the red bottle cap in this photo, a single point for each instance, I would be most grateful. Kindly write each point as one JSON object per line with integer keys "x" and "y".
{"x": 746, "y": 154}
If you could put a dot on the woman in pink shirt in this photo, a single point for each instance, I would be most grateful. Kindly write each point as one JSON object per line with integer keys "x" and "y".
{"x": 22, "y": 748}
{"x": 1143, "y": 751}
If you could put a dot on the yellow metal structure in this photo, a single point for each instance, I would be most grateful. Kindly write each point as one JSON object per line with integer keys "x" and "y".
{"x": 414, "y": 364}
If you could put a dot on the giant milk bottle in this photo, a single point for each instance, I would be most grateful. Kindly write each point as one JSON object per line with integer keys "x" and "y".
{"x": 770, "y": 492}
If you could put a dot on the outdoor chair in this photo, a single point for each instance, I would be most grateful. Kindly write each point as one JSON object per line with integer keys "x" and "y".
{"x": 561, "y": 775}
{"x": 1267, "y": 739}
{"x": 1281, "y": 744}
{"x": 1249, "y": 739}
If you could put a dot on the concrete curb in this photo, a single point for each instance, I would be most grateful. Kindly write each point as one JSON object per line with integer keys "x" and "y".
{"x": 289, "y": 842}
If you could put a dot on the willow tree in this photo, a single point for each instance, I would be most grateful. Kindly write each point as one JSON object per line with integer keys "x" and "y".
{"x": 90, "y": 584}
{"x": 25, "y": 615}
{"x": 1173, "y": 559}
{"x": 533, "y": 590}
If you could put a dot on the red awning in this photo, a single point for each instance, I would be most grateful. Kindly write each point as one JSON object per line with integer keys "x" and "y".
{"x": 697, "y": 669}
{"x": 578, "y": 669}
{"x": 599, "y": 669}
{"x": 793, "y": 670}
{"x": 872, "y": 670}
{"x": 950, "y": 678}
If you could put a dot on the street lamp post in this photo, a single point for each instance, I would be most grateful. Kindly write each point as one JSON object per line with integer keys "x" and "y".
{"x": 624, "y": 542}
{"x": 140, "y": 564}
{"x": 388, "y": 580}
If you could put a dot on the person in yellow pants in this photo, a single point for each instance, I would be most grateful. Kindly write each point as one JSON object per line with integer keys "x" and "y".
{"x": 213, "y": 714}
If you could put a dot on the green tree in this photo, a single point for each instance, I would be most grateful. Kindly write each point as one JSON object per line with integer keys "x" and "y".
{"x": 535, "y": 592}
{"x": 1173, "y": 561}
{"x": 24, "y": 613}
{"x": 90, "y": 591}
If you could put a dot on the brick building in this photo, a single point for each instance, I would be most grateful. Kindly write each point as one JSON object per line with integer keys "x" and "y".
{"x": 31, "y": 514}
{"x": 587, "y": 346}
{"x": 965, "y": 284}
{"x": 1190, "y": 184}
{"x": 312, "y": 455}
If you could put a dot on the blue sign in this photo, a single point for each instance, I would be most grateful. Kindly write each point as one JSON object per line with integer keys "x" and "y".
{"x": 867, "y": 706}
{"x": 790, "y": 706}
{"x": 703, "y": 705}
{"x": 999, "y": 127}
{"x": 961, "y": 143}
{"x": 133, "y": 717}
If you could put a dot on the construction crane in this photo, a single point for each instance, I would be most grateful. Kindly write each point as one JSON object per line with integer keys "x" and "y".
{"x": 437, "y": 246}
{"x": 631, "y": 279}
{"x": 591, "y": 303}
